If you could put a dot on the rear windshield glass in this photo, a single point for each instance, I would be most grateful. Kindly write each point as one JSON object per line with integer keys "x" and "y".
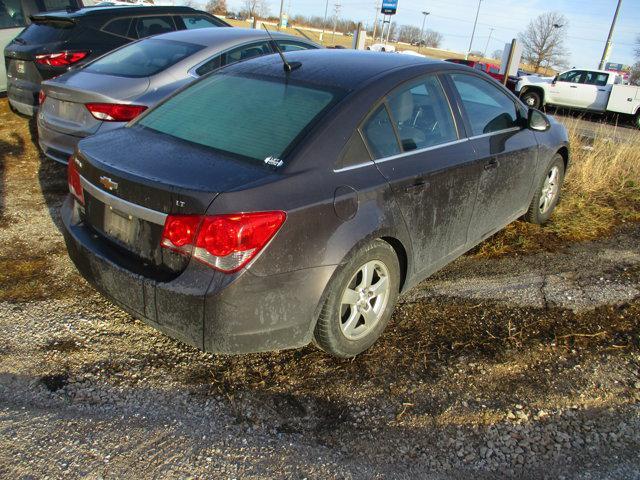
{"x": 46, "y": 32}
{"x": 144, "y": 58}
{"x": 254, "y": 118}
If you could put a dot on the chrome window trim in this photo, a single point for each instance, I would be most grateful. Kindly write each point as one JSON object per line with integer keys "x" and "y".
{"x": 122, "y": 205}
{"x": 403, "y": 154}
{"x": 504, "y": 130}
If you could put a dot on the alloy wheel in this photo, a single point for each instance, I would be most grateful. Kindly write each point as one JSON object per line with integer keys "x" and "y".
{"x": 550, "y": 190}
{"x": 364, "y": 300}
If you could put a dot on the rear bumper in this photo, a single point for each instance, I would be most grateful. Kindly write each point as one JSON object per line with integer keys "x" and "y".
{"x": 59, "y": 146}
{"x": 23, "y": 96}
{"x": 212, "y": 311}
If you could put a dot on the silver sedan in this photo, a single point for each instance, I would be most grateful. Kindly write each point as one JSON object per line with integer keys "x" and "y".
{"x": 115, "y": 88}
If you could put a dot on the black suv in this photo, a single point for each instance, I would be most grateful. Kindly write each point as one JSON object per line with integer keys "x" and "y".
{"x": 58, "y": 41}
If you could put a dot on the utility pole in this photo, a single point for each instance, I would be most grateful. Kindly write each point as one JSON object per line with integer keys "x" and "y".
{"x": 324, "y": 22}
{"x": 484, "y": 54}
{"x": 375, "y": 22}
{"x": 422, "y": 30}
{"x": 336, "y": 11}
{"x": 281, "y": 12}
{"x": 607, "y": 46}
{"x": 474, "y": 30}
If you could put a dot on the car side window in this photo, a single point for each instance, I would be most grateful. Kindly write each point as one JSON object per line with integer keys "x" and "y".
{"x": 119, "y": 27}
{"x": 192, "y": 22}
{"x": 209, "y": 66}
{"x": 291, "y": 46}
{"x": 247, "y": 51}
{"x": 422, "y": 115}
{"x": 355, "y": 151}
{"x": 378, "y": 131}
{"x": 488, "y": 108}
{"x": 597, "y": 78}
{"x": 573, "y": 76}
{"x": 148, "y": 26}
{"x": 11, "y": 14}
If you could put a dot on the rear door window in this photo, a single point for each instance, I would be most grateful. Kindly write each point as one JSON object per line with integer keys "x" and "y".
{"x": 247, "y": 51}
{"x": 381, "y": 138}
{"x": 422, "y": 115}
{"x": 144, "y": 58}
{"x": 193, "y": 22}
{"x": 119, "y": 27}
{"x": 292, "y": 46}
{"x": 488, "y": 108}
{"x": 596, "y": 78}
{"x": 148, "y": 26}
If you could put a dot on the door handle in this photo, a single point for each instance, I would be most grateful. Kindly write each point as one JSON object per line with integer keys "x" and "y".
{"x": 573, "y": 86}
{"x": 602, "y": 89}
{"x": 491, "y": 164}
{"x": 417, "y": 185}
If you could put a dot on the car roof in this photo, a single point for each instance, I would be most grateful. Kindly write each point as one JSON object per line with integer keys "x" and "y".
{"x": 222, "y": 36}
{"x": 339, "y": 68}
{"x": 112, "y": 10}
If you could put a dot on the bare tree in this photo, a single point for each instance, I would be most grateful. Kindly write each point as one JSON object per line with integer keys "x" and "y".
{"x": 190, "y": 3}
{"x": 256, "y": 8}
{"x": 543, "y": 41}
{"x": 432, "y": 39}
{"x": 634, "y": 74}
{"x": 216, "y": 7}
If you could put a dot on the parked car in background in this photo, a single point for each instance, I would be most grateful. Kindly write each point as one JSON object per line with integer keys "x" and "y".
{"x": 14, "y": 16}
{"x": 112, "y": 90}
{"x": 491, "y": 69}
{"x": 58, "y": 41}
{"x": 381, "y": 47}
{"x": 264, "y": 207}
{"x": 596, "y": 91}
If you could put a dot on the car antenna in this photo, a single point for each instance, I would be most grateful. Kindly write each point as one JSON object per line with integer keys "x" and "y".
{"x": 288, "y": 67}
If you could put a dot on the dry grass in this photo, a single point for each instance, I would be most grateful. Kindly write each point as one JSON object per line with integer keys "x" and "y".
{"x": 601, "y": 192}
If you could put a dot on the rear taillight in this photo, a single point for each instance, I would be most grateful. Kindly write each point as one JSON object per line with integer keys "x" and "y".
{"x": 61, "y": 59}
{"x": 114, "y": 112}
{"x": 73, "y": 179}
{"x": 41, "y": 97}
{"x": 224, "y": 242}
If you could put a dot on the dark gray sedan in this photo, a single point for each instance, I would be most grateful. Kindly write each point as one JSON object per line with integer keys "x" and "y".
{"x": 114, "y": 89}
{"x": 269, "y": 205}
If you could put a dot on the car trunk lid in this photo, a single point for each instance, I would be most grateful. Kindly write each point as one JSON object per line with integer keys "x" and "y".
{"x": 64, "y": 109}
{"x": 133, "y": 178}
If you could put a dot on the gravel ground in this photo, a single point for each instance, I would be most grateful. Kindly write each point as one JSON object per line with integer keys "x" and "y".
{"x": 516, "y": 367}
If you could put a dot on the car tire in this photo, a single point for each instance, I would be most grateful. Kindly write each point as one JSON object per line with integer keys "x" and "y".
{"x": 351, "y": 321}
{"x": 531, "y": 99}
{"x": 547, "y": 193}
{"x": 636, "y": 120}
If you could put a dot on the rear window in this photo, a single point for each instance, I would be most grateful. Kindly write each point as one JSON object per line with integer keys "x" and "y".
{"x": 47, "y": 31}
{"x": 143, "y": 59}
{"x": 253, "y": 118}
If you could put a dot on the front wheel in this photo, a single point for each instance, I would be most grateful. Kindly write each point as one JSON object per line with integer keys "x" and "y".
{"x": 548, "y": 193}
{"x": 532, "y": 99}
{"x": 360, "y": 300}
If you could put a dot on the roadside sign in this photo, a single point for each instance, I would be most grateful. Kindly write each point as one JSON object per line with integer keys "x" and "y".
{"x": 389, "y": 7}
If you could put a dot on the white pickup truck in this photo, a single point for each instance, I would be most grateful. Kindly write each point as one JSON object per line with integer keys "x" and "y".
{"x": 591, "y": 90}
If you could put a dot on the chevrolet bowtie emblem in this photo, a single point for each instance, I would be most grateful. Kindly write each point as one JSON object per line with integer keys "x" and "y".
{"x": 108, "y": 183}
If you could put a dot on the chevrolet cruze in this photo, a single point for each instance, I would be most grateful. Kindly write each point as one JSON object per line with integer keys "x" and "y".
{"x": 271, "y": 204}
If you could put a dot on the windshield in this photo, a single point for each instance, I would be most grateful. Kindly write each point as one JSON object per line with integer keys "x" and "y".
{"x": 144, "y": 58}
{"x": 251, "y": 117}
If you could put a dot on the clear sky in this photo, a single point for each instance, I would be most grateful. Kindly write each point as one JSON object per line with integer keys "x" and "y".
{"x": 587, "y": 30}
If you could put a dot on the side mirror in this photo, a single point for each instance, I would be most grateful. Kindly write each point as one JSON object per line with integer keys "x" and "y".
{"x": 538, "y": 121}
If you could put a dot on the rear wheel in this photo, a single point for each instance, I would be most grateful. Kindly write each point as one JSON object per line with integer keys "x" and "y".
{"x": 547, "y": 194}
{"x": 360, "y": 300}
{"x": 532, "y": 99}
{"x": 636, "y": 120}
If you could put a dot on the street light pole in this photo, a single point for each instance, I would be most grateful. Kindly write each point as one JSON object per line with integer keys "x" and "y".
{"x": 607, "y": 46}
{"x": 484, "y": 54}
{"x": 422, "y": 30}
{"x": 474, "y": 30}
{"x": 375, "y": 22}
{"x": 324, "y": 22}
